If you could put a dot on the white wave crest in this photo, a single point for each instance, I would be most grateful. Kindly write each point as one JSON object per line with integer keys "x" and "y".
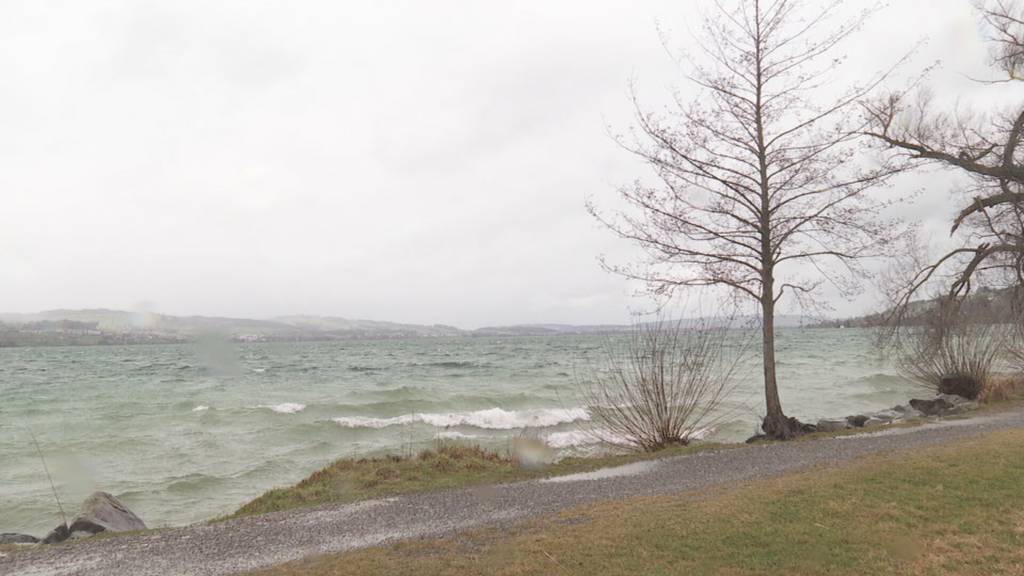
{"x": 285, "y": 408}
{"x": 455, "y": 435}
{"x": 573, "y": 438}
{"x": 491, "y": 419}
{"x": 201, "y": 408}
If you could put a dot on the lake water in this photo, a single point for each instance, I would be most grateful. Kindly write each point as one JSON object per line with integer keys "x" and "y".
{"x": 186, "y": 432}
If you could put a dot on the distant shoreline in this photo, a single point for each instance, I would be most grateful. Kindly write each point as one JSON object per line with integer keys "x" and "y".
{"x": 44, "y": 340}
{"x": 102, "y": 327}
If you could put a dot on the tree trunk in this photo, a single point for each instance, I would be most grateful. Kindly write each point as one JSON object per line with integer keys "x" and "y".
{"x": 776, "y": 425}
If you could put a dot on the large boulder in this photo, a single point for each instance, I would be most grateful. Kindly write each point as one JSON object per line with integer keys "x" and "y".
{"x": 907, "y": 412}
{"x": 11, "y": 538}
{"x": 102, "y": 512}
{"x": 963, "y": 386}
{"x": 857, "y": 421}
{"x": 936, "y": 407}
{"x": 944, "y": 405}
{"x": 58, "y": 534}
{"x": 873, "y": 422}
{"x": 828, "y": 425}
{"x": 888, "y": 416}
{"x": 960, "y": 404}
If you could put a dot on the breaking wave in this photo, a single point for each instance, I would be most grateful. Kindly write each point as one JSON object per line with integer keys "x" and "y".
{"x": 572, "y": 438}
{"x": 455, "y": 435}
{"x": 491, "y": 419}
{"x": 285, "y": 408}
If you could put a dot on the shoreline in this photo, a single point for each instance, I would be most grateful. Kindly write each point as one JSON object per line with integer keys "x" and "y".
{"x": 385, "y": 475}
{"x": 461, "y": 465}
{"x": 228, "y": 547}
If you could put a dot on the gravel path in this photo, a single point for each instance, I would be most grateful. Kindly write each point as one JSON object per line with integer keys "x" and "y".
{"x": 255, "y": 542}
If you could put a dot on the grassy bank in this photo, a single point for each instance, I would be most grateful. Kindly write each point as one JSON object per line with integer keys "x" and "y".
{"x": 447, "y": 466}
{"x": 455, "y": 466}
{"x": 950, "y": 510}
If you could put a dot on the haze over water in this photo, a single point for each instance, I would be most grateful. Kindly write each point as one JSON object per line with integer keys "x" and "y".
{"x": 183, "y": 433}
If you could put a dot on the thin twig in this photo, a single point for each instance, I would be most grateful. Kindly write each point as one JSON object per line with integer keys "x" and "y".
{"x": 46, "y": 469}
{"x": 557, "y": 563}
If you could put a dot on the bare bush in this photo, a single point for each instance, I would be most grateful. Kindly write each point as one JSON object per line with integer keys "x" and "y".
{"x": 664, "y": 389}
{"x": 952, "y": 354}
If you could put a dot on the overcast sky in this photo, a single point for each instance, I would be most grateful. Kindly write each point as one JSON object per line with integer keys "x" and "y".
{"x": 408, "y": 161}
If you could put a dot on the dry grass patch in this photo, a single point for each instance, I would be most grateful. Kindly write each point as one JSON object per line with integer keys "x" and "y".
{"x": 1002, "y": 389}
{"x": 949, "y": 510}
{"x": 447, "y": 466}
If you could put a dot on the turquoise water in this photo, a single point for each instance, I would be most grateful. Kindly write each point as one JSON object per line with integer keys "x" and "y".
{"x": 186, "y": 432}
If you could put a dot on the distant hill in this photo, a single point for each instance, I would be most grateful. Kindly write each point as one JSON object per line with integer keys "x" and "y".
{"x": 987, "y": 304}
{"x": 782, "y": 321}
{"x": 371, "y": 328}
{"x": 548, "y": 329}
{"x": 102, "y": 326}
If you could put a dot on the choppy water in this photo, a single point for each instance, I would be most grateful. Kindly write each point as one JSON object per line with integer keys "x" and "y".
{"x": 183, "y": 433}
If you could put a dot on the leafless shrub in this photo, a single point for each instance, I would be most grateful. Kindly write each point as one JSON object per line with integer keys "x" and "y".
{"x": 952, "y": 354}
{"x": 664, "y": 389}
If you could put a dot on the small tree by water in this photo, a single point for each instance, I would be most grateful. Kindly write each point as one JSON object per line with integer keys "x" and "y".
{"x": 762, "y": 187}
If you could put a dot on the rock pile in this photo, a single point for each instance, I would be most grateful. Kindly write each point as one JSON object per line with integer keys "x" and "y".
{"x": 101, "y": 512}
{"x": 11, "y": 538}
{"x": 941, "y": 405}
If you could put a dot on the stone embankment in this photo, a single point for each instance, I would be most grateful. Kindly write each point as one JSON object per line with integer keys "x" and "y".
{"x": 941, "y": 405}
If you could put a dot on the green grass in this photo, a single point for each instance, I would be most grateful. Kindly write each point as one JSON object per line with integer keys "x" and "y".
{"x": 447, "y": 466}
{"x": 957, "y": 509}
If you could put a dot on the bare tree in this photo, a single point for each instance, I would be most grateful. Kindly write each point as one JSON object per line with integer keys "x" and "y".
{"x": 761, "y": 186}
{"x": 984, "y": 146}
{"x": 665, "y": 388}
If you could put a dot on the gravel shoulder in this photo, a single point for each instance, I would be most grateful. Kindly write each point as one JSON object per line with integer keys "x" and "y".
{"x": 260, "y": 541}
